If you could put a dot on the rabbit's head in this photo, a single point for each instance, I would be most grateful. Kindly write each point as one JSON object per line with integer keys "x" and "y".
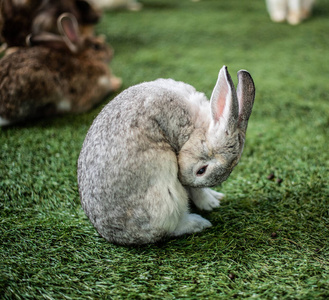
{"x": 49, "y": 11}
{"x": 69, "y": 39}
{"x": 18, "y": 18}
{"x": 211, "y": 153}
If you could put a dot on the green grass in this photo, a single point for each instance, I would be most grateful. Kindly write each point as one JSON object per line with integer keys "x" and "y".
{"x": 48, "y": 248}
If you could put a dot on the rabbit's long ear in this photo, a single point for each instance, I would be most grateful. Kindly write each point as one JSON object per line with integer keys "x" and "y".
{"x": 246, "y": 96}
{"x": 47, "y": 39}
{"x": 68, "y": 27}
{"x": 224, "y": 103}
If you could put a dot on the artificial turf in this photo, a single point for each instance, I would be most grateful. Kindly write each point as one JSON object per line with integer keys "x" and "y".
{"x": 270, "y": 237}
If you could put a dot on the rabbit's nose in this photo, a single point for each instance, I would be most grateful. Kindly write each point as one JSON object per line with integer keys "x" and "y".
{"x": 115, "y": 82}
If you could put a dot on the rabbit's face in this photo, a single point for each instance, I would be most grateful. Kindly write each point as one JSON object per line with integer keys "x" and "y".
{"x": 209, "y": 156}
{"x": 205, "y": 161}
{"x": 97, "y": 49}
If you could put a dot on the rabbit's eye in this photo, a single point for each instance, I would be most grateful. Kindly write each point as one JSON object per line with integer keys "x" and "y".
{"x": 96, "y": 46}
{"x": 201, "y": 171}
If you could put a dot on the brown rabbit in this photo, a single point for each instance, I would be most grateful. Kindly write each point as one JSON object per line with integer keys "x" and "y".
{"x": 49, "y": 10}
{"x": 61, "y": 73}
{"x": 18, "y": 18}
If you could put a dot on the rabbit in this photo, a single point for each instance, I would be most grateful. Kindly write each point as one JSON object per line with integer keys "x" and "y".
{"x": 49, "y": 10}
{"x": 59, "y": 74}
{"x": 294, "y": 11}
{"x": 21, "y": 17}
{"x": 154, "y": 147}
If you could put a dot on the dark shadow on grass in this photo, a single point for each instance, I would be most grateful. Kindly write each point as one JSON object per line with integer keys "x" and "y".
{"x": 60, "y": 120}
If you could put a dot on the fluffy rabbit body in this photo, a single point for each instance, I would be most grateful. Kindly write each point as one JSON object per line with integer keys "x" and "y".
{"x": 294, "y": 11}
{"x": 153, "y": 147}
{"x": 39, "y": 81}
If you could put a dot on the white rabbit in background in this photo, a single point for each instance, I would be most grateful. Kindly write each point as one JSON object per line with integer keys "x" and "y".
{"x": 292, "y": 11}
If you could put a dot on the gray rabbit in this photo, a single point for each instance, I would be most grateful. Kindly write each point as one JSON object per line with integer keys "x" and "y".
{"x": 154, "y": 147}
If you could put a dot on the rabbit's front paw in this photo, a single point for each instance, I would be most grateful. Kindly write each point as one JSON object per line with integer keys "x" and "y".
{"x": 191, "y": 223}
{"x": 207, "y": 199}
{"x": 209, "y": 204}
{"x": 217, "y": 195}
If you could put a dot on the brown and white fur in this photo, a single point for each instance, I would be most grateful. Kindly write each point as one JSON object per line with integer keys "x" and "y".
{"x": 59, "y": 74}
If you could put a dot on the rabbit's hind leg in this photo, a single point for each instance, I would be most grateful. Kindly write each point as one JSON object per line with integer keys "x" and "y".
{"x": 170, "y": 206}
{"x": 167, "y": 203}
{"x": 176, "y": 219}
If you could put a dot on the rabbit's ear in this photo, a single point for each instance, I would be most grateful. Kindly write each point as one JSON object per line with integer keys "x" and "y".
{"x": 223, "y": 101}
{"x": 246, "y": 96}
{"x": 50, "y": 40}
{"x": 68, "y": 27}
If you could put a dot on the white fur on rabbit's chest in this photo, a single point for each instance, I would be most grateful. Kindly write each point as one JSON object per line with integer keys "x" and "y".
{"x": 64, "y": 105}
{"x": 103, "y": 81}
{"x": 4, "y": 122}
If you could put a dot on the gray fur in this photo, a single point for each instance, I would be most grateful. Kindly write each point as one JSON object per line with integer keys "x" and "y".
{"x": 138, "y": 164}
